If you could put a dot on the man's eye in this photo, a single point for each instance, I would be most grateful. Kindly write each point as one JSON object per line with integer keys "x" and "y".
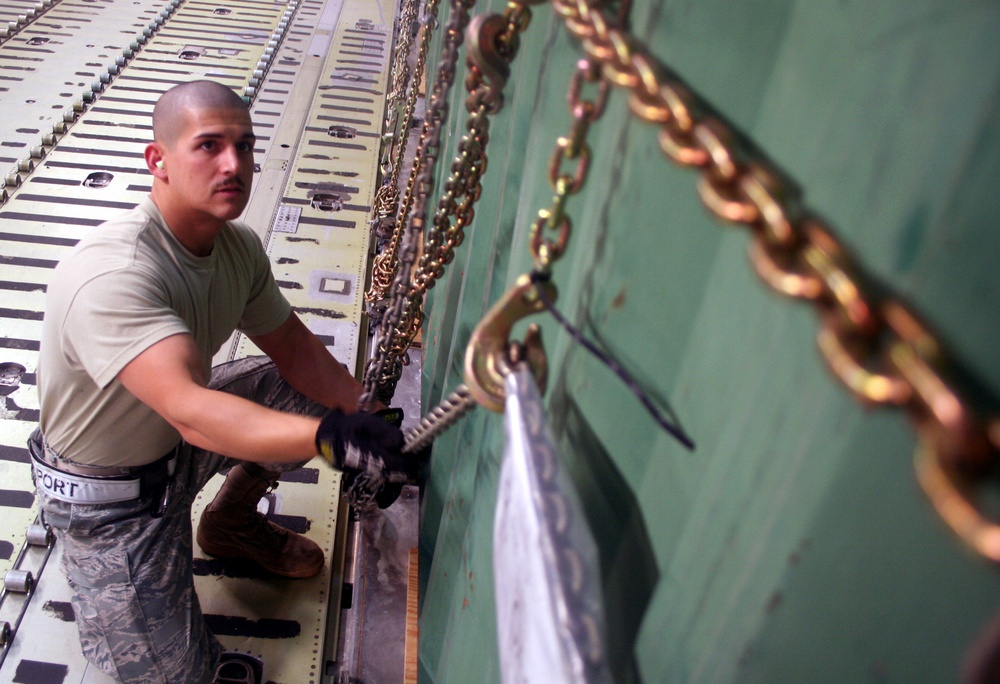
{"x": 244, "y": 147}
{"x": 208, "y": 145}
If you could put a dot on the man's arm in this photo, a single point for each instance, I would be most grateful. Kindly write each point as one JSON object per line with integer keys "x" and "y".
{"x": 168, "y": 378}
{"x": 309, "y": 367}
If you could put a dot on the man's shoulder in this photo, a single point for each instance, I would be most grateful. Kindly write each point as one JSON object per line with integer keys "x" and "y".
{"x": 121, "y": 230}
{"x": 108, "y": 247}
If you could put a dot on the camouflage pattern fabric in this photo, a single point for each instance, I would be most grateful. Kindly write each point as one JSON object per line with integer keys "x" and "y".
{"x": 136, "y": 609}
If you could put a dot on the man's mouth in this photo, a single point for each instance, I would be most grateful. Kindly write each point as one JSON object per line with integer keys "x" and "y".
{"x": 229, "y": 188}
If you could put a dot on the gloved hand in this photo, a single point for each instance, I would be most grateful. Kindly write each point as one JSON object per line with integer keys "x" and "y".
{"x": 391, "y": 491}
{"x": 367, "y": 447}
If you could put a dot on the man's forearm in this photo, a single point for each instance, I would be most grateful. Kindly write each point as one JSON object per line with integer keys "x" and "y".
{"x": 314, "y": 372}
{"x": 304, "y": 361}
{"x": 237, "y": 427}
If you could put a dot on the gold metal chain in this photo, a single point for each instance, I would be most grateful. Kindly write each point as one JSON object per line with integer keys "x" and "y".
{"x": 493, "y": 43}
{"x": 872, "y": 341}
{"x": 490, "y": 353}
{"x": 401, "y": 81}
{"x": 393, "y": 135}
{"x": 569, "y": 148}
{"x": 421, "y": 182}
{"x": 388, "y": 218}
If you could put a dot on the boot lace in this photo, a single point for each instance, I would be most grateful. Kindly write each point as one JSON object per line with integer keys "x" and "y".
{"x": 264, "y": 531}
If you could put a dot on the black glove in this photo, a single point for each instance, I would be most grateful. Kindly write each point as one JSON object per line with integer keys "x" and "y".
{"x": 391, "y": 491}
{"x": 393, "y": 416}
{"x": 367, "y": 447}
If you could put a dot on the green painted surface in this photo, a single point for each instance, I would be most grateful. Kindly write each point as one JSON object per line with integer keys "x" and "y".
{"x": 794, "y": 545}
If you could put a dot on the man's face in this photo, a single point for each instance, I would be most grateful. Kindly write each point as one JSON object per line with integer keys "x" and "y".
{"x": 210, "y": 165}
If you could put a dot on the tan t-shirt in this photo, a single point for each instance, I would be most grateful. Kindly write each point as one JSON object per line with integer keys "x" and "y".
{"x": 126, "y": 286}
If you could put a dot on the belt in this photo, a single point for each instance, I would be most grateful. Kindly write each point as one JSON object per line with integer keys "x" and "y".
{"x": 79, "y": 484}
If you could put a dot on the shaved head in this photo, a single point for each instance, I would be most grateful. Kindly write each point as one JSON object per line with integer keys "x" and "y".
{"x": 171, "y": 111}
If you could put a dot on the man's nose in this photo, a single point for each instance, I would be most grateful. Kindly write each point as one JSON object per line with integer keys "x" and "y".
{"x": 230, "y": 160}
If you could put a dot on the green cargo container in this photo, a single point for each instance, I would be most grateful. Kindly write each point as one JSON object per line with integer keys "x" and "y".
{"x": 794, "y": 544}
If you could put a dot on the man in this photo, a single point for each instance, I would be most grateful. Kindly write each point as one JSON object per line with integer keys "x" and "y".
{"x": 134, "y": 421}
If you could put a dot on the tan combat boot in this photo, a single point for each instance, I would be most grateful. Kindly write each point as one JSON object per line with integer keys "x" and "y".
{"x": 231, "y": 527}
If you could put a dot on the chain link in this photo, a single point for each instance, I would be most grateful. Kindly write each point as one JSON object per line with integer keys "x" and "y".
{"x": 870, "y": 340}
{"x": 569, "y": 148}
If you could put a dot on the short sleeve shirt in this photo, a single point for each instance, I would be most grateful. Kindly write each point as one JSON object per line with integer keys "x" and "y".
{"x": 126, "y": 286}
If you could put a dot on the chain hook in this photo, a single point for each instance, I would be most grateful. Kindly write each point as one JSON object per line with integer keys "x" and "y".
{"x": 491, "y": 354}
{"x": 484, "y": 55}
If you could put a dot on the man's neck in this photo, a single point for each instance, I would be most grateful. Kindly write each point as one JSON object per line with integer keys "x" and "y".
{"x": 196, "y": 233}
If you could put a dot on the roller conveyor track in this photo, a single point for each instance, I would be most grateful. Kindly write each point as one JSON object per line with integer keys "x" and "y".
{"x": 76, "y": 120}
{"x": 15, "y": 15}
{"x": 19, "y": 583}
{"x": 50, "y": 62}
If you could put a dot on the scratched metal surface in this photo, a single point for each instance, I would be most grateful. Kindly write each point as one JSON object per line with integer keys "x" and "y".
{"x": 333, "y": 56}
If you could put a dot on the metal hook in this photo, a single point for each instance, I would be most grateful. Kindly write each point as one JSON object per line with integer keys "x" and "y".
{"x": 491, "y": 354}
{"x": 483, "y": 53}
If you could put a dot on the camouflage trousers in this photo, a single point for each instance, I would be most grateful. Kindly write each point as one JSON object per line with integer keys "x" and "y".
{"x": 134, "y": 599}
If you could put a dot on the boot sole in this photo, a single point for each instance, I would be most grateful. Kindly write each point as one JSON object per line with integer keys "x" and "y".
{"x": 223, "y": 552}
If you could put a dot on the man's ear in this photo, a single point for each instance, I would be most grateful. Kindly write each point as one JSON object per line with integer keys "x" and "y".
{"x": 155, "y": 161}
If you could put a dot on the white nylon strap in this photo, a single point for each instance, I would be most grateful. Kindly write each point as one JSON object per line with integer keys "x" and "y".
{"x": 79, "y": 489}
